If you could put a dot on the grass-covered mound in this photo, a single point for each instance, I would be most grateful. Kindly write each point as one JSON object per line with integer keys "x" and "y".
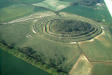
{"x": 69, "y": 26}
{"x": 72, "y": 28}
{"x": 67, "y": 29}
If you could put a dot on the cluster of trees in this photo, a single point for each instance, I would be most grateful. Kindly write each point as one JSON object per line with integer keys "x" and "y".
{"x": 10, "y": 46}
{"x": 89, "y": 2}
{"x": 56, "y": 61}
{"x": 68, "y": 26}
{"x": 86, "y": 2}
{"x": 37, "y": 56}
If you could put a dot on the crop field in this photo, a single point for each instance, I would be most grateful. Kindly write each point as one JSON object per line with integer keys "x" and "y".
{"x": 61, "y": 42}
{"x": 102, "y": 68}
{"x": 8, "y": 10}
{"x": 82, "y": 67}
{"x": 9, "y": 13}
{"x": 54, "y": 5}
{"x": 101, "y": 16}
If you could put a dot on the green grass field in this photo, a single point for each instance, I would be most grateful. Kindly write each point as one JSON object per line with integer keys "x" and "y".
{"x": 50, "y": 50}
{"x": 15, "y": 11}
{"x": 102, "y": 12}
{"x": 99, "y": 49}
{"x": 102, "y": 69}
{"x": 34, "y": 33}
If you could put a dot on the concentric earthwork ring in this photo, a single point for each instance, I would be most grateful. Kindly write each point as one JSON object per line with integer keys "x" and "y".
{"x": 67, "y": 29}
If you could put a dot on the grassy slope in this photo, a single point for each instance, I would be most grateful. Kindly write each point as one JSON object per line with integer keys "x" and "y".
{"x": 50, "y": 48}
{"x": 15, "y": 33}
{"x": 45, "y": 46}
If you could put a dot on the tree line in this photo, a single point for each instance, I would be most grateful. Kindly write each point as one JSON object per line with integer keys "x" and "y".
{"x": 54, "y": 62}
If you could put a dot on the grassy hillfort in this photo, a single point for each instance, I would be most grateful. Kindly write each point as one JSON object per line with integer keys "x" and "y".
{"x": 67, "y": 28}
{"x": 56, "y": 41}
